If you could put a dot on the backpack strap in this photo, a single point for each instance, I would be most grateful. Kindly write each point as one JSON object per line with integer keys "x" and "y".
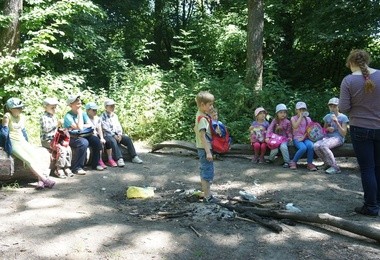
{"x": 210, "y": 126}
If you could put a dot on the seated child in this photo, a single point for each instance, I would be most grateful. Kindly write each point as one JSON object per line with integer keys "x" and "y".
{"x": 280, "y": 125}
{"x": 61, "y": 152}
{"x": 113, "y": 133}
{"x": 258, "y": 130}
{"x": 300, "y": 140}
{"x": 91, "y": 110}
{"x": 336, "y": 127}
{"x": 16, "y": 141}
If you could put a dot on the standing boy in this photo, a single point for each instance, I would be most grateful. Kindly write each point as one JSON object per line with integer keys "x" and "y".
{"x": 205, "y": 101}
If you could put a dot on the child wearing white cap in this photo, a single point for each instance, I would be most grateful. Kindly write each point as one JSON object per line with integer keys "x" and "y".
{"x": 92, "y": 110}
{"x": 61, "y": 152}
{"x": 280, "y": 125}
{"x": 258, "y": 130}
{"x": 113, "y": 133}
{"x": 300, "y": 140}
{"x": 336, "y": 128}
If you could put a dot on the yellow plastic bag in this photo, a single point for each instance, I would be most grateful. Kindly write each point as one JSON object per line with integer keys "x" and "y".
{"x": 134, "y": 192}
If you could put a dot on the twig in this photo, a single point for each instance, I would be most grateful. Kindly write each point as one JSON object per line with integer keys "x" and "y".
{"x": 245, "y": 219}
{"x": 195, "y": 231}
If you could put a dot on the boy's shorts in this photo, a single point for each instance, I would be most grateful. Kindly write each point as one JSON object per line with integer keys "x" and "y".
{"x": 206, "y": 167}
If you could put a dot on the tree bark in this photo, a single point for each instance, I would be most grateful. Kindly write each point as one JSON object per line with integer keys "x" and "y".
{"x": 254, "y": 74}
{"x": 10, "y": 36}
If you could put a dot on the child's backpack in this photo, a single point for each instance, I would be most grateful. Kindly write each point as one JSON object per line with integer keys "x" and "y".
{"x": 61, "y": 137}
{"x": 314, "y": 131}
{"x": 219, "y": 144}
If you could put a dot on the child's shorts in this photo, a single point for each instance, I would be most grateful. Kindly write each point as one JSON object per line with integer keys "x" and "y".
{"x": 206, "y": 167}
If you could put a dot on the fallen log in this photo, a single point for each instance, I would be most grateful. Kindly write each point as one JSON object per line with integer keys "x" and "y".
{"x": 258, "y": 203}
{"x": 266, "y": 223}
{"x": 12, "y": 169}
{"x": 346, "y": 150}
{"x": 318, "y": 218}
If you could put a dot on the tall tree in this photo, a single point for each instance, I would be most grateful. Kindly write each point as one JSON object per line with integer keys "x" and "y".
{"x": 10, "y": 35}
{"x": 255, "y": 29}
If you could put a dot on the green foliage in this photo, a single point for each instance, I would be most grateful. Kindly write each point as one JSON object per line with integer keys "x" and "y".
{"x": 111, "y": 50}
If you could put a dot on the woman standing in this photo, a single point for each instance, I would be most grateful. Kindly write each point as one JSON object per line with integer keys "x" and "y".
{"x": 359, "y": 97}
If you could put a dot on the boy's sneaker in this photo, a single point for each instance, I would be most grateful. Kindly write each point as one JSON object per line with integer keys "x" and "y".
{"x": 112, "y": 163}
{"x": 80, "y": 171}
{"x": 311, "y": 167}
{"x": 120, "y": 162}
{"x": 293, "y": 165}
{"x": 285, "y": 165}
{"x": 60, "y": 173}
{"x": 332, "y": 170}
{"x": 49, "y": 183}
{"x": 101, "y": 163}
{"x": 210, "y": 199}
{"x": 136, "y": 159}
{"x": 68, "y": 172}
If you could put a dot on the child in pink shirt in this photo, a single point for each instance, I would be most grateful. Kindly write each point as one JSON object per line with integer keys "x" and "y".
{"x": 300, "y": 140}
{"x": 280, "y": 125}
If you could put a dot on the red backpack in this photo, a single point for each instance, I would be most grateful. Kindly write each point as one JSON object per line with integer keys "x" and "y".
{"x": 61, "y": 137}
{"x": 219, "y": 144}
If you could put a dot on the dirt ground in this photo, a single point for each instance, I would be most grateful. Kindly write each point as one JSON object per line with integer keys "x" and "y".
{"x": 89, "y": 217}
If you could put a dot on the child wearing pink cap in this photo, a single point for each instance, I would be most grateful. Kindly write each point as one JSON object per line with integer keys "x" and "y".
{"x": 258, "y": 130}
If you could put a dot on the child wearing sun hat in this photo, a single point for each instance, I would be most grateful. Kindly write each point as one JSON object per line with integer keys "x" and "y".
{"x": 257, "y": 131}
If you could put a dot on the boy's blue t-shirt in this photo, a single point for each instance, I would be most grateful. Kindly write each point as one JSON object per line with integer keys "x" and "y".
{"x": 71, "y": 118}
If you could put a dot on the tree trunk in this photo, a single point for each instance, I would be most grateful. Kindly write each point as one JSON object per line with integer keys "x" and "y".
{"x": 254, "y": 75}
{"x": 10, "y": 36}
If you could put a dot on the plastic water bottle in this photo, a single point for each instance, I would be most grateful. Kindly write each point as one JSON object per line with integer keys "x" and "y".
{"x": 248, "y": 196}
{"x": 289, "y": 207}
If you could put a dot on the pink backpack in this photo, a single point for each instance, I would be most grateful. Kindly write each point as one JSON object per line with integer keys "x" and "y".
{"x": 275, "y": 141}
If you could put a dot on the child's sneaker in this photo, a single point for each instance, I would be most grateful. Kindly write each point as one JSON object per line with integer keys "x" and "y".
{"x": 261, "y": 160}
{"x": 332, "y": 170}
{"x": 49, "y": 183}
{"x": 120, "y": 162}
{"x": 255, "y": 159}
{"x": 60, "y": 173}
{"x": 293, "y": 165}
{"x": 311, "y": 167}
{"x": 80, "y": 171}
{"x": 210, "y": 199}
{"x": 136, "y": 159}
{"x": 68, "y": 172}
{"x": 285, "y": 165}
{"x": 101, "y": 163}
{"x": 99, "y": 168}
{"x": 112, "y": 163}
{"x": 40, "y": 185}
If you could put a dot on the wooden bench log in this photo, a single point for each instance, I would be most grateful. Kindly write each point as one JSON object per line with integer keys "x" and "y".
{"x": 346, "y": 150}
{"x": 14, "y": 169}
